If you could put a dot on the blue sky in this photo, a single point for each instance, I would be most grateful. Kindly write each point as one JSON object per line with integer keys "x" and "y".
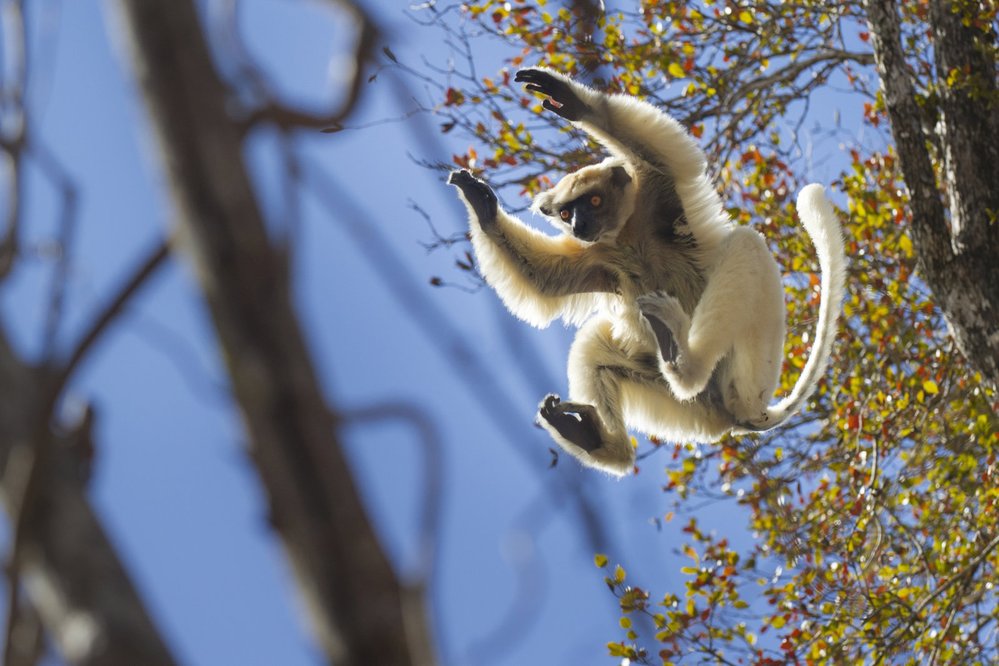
{"x": 173, "y": 484}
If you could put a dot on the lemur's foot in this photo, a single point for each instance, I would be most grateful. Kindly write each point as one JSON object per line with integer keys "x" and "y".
{"x": 576, "y": 423}
{"x": 669, "y": 324}
{"x": 477, "y": 193}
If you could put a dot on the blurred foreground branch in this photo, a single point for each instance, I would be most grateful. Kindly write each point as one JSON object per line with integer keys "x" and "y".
{"x": 355, "y": 600}
{"x": 70, "y": 571}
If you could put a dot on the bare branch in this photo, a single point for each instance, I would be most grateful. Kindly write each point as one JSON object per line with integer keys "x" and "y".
{"x": 67, "y": 228}
{"x": 72, "y": 575}
{"x": 108, "y": 314}
{"x": 288, "y": 117}
{"x": 13, "y": 122}
{"x": 433, "y": 467}
{"x": 357, "y": 607}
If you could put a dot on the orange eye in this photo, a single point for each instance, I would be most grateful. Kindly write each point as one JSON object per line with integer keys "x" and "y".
{"x": 565, "y": 213}
{"x": 595, "y": 201}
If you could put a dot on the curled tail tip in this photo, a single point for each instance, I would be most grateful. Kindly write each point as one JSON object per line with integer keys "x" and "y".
{"x": 813, "y": 203}
{"x": 819, "y": 218}
{"x": 811, "y": 195}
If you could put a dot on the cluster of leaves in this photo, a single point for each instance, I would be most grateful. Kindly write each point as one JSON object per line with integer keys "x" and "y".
{"x": 875, "y": 509}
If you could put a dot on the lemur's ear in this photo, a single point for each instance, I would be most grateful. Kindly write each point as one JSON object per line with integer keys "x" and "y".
{"x": 619, "y": 176}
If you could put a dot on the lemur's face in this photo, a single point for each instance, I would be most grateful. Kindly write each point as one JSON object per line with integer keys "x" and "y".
{"x": 591, "y": 204}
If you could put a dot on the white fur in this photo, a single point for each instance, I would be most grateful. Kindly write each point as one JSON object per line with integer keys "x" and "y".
{"x": 729, "y": 331}
{"x": 517, "y": 292}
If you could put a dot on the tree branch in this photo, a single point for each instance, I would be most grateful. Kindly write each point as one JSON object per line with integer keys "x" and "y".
{"x": 289, "y": 117}
{"x": 70, "y": 571}
{"x": 108, "y": 314}
{"x": 353, "y": 595}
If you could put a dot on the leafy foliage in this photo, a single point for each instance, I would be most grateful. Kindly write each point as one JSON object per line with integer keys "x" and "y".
{"x": 873, "y": 516}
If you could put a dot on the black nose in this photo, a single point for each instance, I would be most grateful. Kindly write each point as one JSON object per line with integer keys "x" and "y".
{"x": 583, "y": 228}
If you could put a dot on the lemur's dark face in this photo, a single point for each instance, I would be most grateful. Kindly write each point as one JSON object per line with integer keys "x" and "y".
{"x": 591, "y": 204}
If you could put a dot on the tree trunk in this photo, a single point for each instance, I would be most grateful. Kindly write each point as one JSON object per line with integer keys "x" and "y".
{"x": 957, "y": 245}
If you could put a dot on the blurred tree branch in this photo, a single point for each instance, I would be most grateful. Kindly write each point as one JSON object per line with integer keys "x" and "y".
{"x": 284, "y": 116}
{"x": 63, "y": 573}
{"x": 356, "y": 604}
{"x": 72, "y": 575}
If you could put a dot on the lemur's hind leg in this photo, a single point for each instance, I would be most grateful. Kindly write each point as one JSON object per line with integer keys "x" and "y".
{"x": 590, "y": 426}
{"x": 578, "y": 428}
{"x": 740, "y": 314}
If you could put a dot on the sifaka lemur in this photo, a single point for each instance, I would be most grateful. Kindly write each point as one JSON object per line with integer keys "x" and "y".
{"x": 681, "y": 312}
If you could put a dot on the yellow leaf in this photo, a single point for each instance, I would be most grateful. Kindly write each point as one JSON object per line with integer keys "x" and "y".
{"x": 931, "y": 387}
{"x": 778, "y": 622}
{"x": 905, "y": 244}
{"x": 617, "y": 650}
{"x": 746, "y": 16}
{"x": 600, "y": 560}
{"x": 619, "y": 574}
{"x": 676, "y": 71}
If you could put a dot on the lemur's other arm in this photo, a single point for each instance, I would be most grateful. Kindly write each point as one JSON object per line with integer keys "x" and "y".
{"x": 538, "y": 277}
{"x": 628, "y": 127}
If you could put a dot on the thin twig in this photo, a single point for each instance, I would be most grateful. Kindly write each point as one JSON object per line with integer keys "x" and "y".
{"x": 67, "y": 231}
{"x": 430, "y": 520}
{"x": 107, "y": 315}
{"x": 288, "y": 117}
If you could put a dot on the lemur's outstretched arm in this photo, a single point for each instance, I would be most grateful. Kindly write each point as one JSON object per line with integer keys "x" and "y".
{"x": 628, "y": 127}
{"x": 538, "y": 277}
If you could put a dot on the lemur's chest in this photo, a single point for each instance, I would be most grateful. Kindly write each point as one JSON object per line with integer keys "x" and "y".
{"x": 652, "y": 265}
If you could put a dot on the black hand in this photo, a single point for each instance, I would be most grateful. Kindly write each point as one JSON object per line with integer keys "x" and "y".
{"x": 561, "y": 98}
{"x": 480, "y": 196}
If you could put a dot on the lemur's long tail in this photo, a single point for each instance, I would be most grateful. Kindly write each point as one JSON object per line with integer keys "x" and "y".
{"x": 823, "y": 227}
